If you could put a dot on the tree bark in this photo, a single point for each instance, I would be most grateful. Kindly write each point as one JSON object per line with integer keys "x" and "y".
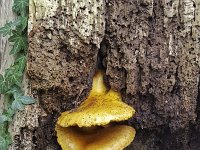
{"x": 149, "y": 50}
{"x": 5, "y": 59}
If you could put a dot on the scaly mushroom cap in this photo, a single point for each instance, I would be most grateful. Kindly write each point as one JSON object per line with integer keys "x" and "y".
{"x": 100, "y": 108}
{"x": 110, "y": 138}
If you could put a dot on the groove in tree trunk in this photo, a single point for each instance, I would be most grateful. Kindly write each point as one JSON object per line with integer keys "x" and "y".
{"x": 149, "y": 50}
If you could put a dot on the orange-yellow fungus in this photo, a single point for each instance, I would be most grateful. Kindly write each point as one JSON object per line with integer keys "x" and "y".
{"x": 79, "y": 129}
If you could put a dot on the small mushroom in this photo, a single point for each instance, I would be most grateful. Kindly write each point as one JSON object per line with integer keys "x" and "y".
{"x": 88, "y": 128}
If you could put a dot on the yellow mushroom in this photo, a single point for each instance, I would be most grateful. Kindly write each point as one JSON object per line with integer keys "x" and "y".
{"x": 79, "y": 129}
{"x": 110, "y": 138}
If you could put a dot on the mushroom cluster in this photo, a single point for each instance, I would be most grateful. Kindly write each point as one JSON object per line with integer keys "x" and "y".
{"x": 88, "y": 127}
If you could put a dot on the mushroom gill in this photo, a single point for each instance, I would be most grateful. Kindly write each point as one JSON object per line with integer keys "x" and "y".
{"x": 88, "y": 127}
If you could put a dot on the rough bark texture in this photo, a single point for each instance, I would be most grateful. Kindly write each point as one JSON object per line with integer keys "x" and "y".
{"x": 149, "y": 50}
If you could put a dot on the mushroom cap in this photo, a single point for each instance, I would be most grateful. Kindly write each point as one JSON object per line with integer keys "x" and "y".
{"x": 97, "y": 110}
{"x": 110, "y": 138}
{"x": 100, "y": 108}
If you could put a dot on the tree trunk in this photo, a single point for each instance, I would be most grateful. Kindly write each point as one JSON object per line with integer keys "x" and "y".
{"x": 5, "y": 58}
{"x": 149, "y": 50}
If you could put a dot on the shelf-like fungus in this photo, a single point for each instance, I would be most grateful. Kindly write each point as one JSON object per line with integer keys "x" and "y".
{"x": 87, "y": 127}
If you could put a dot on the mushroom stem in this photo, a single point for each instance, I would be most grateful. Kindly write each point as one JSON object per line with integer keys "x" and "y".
{"x": 98, "y": 85}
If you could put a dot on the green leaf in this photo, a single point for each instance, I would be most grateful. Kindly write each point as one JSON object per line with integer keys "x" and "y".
{"x": 16, "y": 79}
{"x": 26, "y": 100}
{"x": 21, "y": 62}
{"x": 1, "y": 78}
{"x": 17, "y": 22}
{"x": 17, "y": 105}
{"x": 13, "y": 76}
{"x": 7, "y": 29}
{"x": 3, "y": 85}
{"x": 8, "y": 139}
{"x": 20, "y": 6}
{"x": 20, "y": 42}
{"x": 3, "y": 88}
{"x": 13, "y": 90}
{"x": 22, "y": 23}
{"x": 3, "y": 118}
{"x": 9, "y": 114}
{"x": 3, "y": 143}
{"x": 17, "y": 96}
{"x": 2, "y": 128}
